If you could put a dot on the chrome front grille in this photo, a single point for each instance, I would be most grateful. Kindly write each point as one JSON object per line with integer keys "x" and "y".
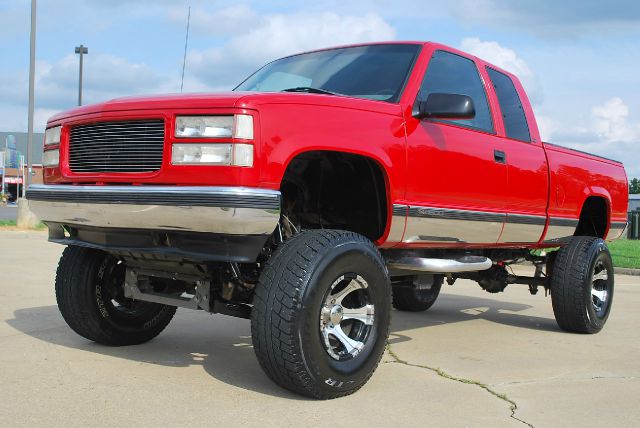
{"x": 131, "y": 146}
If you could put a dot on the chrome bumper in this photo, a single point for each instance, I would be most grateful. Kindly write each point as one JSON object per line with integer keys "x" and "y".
{"x": 219, "y": 210}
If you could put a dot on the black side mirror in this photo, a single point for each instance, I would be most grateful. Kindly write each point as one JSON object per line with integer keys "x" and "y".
{"x": 445, "y": 106}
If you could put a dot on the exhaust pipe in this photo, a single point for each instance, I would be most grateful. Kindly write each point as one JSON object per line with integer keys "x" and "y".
{"x": 420, "y": 264}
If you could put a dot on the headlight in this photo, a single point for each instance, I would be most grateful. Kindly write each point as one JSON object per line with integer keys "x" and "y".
{"x": 51, "y": 158}
{"x": 204, "y": 126}
{"x": 52, "y": 135}
{"x": 238, "y": 126}
{"x": 212, "y": 154}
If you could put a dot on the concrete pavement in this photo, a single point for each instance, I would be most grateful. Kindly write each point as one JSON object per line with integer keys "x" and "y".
{"x": 474, "y": 359}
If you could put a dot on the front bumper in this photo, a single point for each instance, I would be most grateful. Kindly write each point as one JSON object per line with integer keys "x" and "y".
{"x": 222, "y": 219}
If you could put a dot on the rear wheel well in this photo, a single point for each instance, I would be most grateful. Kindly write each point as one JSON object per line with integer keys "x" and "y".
{"x": 335, "y": 190}
{"x": 594, "y": 217}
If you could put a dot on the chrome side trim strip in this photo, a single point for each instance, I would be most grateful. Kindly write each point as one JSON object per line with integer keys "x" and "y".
{"x": 563, "y": 222}
{"x": 428, "y": 212}
{"x": 521, "y": 228}
{"x": 617, "y": 230}
{"x": 526, "y": 219}
{"x": 400, "y": 210}
{"x": 560, "y": 229}
{"x": 398, "y": 222}
{"x": 442, "y": 225}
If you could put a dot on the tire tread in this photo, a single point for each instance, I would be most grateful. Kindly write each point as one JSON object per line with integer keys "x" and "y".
{"x": 571, "y": 270}
{"x": 277, "y": 299}
{"x": 73, "y": 275}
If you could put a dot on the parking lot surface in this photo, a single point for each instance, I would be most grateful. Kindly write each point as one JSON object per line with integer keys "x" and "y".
{"x": 474, "y": 359}
{"x": 9, "y": 212}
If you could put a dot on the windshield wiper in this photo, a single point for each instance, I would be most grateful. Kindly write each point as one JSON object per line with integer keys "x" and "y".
{"x": 310, "y": 90}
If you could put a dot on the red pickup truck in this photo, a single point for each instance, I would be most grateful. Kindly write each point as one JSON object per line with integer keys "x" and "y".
{"x": 326, "y": 188}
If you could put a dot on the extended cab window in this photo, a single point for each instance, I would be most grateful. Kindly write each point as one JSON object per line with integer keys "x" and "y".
{"x": 515, "y": 121}
{"x": 376, "y": 72}
{"x": 453, "y": 74}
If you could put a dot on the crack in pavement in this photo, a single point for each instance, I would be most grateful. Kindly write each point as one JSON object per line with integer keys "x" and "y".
{"x": 561, "y": 379}
{"x": 512, "y": 404}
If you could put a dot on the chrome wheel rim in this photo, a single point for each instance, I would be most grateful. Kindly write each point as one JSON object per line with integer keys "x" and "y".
{"x": 346, "y": 317}
{"x": 600, "y": 289}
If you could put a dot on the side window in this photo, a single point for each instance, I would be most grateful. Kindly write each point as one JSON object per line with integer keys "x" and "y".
{"x": 515, "y": 121}
{"x": 453, "y": 74}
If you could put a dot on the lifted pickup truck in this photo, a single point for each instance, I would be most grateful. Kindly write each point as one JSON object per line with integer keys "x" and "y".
{"x": 326, "y": 188}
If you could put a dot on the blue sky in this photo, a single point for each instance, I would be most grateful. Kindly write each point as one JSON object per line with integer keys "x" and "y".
{"x": 579, "y": 60}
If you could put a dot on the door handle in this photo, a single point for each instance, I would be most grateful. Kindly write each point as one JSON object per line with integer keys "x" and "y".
{"x": 500, "y": 156}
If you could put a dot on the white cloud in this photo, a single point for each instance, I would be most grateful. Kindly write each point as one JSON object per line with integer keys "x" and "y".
{"x": 249, "y": 39}
{"x": 221, "y": 22}
{"x": 103, "y": 74}
{"x": 286, "y": 34}
{"x": 617, "y": 136}
{"x": 547, "y": 126}
{"x": 610, "y": 122}
{"x": 608, "y": 132}
{"x": 506, "y": 59}
{"x": 276, "y": 35}
{"x": 56, "y": 87}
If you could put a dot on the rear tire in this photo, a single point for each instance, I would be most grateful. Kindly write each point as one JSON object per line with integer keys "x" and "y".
{"x": 90, "y": 295}
{"x": 582, "y": 285}
{"x": 416, "y": 293}
{"x": 320, "y": 319}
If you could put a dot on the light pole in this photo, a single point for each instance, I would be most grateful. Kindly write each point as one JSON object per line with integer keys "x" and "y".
{"x": 82, "y": 50}
{"x": 32, "y": 72}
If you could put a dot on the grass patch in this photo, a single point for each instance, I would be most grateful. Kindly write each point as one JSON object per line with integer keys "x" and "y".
{"x": 625, "y": 253}
{"x": 11, "y": 224}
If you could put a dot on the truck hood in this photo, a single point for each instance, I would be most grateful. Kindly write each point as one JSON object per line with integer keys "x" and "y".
{"x": 251, "y": 100}
{"x": 155, "y": 102}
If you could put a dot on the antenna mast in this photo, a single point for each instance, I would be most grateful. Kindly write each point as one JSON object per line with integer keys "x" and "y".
{"x": 186, "y": 42}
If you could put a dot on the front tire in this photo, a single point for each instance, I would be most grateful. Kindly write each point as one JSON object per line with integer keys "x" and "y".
{"x": 582, "y": 285}
{"x": 90, "y": 296}
{"x": 320, "y": 319}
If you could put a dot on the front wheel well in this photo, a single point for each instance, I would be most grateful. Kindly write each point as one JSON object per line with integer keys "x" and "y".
{"x": 594, "y": 218}
{"x": 335, "y": 190}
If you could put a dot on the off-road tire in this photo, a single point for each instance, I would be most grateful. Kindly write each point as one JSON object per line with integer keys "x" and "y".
{"x": 286, "y": 316}
{"x": 81, "y": 280}
{"x": 406, "y": 297}
{"x": 571, "y": 284}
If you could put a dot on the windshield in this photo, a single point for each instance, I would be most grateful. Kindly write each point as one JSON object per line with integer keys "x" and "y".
{"x": 376, "y": 72}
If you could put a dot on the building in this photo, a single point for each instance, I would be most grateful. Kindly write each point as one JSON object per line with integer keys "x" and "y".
{"x": 634, "y": 202}
{"x": 12, "y": 145}
{"x": 21, "y": 140}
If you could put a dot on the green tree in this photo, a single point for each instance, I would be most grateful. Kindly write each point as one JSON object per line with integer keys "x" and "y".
{"x": 634, "y": 186}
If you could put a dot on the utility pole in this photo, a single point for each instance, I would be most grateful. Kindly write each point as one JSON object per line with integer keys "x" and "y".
{"x": 82, "y": 50}
{"x": 4, "y": 167}
{"x": 32, "y": 73}
{"x": 24, "y": 176}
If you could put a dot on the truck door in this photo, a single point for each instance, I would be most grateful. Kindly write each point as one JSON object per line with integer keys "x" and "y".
{"x": 526, "y": 201}
{"x": 457, "y": 178}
